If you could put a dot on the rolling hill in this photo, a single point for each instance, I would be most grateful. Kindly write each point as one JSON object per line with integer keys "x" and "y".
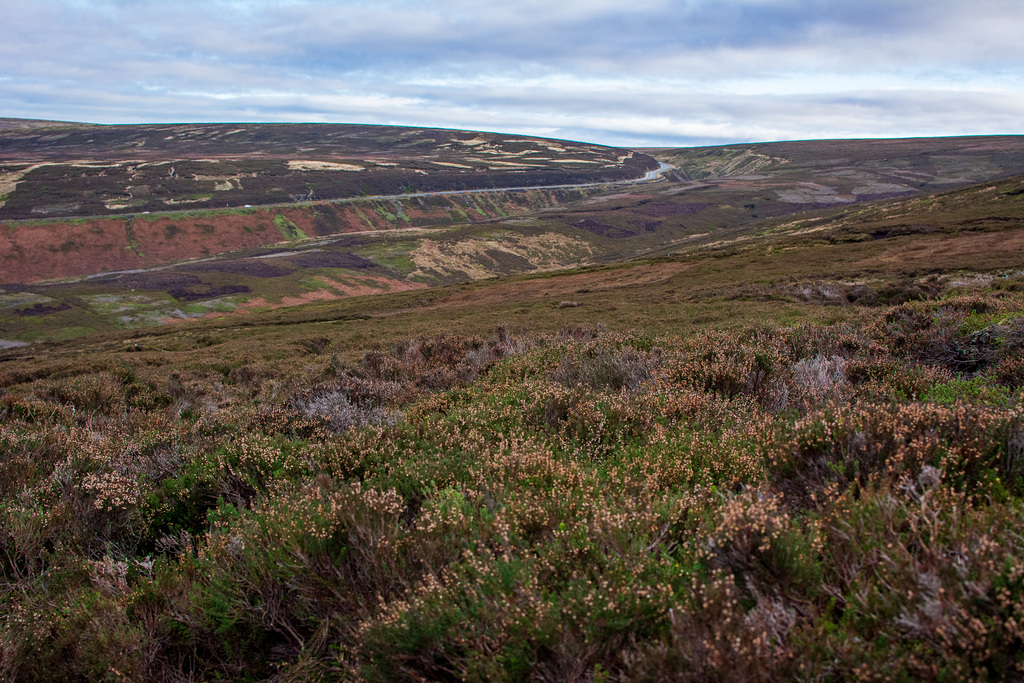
{"x": 71, "y": 277}
{"x": 77, "y": 170}
{"x": 768, "y": 426}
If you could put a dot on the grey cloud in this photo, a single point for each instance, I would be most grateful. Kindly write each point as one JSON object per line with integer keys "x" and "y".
{"x": 353, "y": 35}
{"x": 639, "y": 72}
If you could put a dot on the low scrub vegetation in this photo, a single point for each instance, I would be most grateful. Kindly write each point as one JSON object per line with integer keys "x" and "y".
{"x": 819, "y": 502}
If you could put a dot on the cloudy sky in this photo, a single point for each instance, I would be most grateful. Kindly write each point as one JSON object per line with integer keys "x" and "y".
{"x": 625, "y": 72}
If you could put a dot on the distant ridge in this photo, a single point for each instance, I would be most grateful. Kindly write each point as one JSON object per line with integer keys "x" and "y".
{"x": 15, "y": 124}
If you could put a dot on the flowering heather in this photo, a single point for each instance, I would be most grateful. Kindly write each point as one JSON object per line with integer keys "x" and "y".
{"x": 831, "y": 502}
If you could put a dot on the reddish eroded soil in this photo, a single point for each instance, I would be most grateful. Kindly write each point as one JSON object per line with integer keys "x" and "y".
{"x": 47, "y": 251}
{"x": 164, "y": 239}
{"x": 32, "y": 252}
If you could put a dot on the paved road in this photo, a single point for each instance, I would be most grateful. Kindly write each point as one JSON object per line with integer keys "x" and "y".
{"x": 653, "y": 175}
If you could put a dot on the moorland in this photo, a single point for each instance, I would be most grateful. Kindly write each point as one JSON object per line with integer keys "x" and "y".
{"x": 766, "y": 426}
{"x": 63, "y": 278}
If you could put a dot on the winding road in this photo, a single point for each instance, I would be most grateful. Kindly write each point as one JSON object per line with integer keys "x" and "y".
{"x": 647, "y": 177}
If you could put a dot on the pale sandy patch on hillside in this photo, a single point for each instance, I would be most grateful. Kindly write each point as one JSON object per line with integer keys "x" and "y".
{"x": 448, "y": 163}
{"x": 549, "y": 251}
{"x": 113, "y": 205}
{"x": 173, "y": 202}
{"x": 808, "y": 231}
{"x": 9, "y": 181}
{"x": 735, "y": 240}
{"x": 741, "y": 163}
{"x": 301, "y": 165}
{"x": 222, "y": 183}
{"x": 506, "y": 154}
{"x": 491, "y": 163}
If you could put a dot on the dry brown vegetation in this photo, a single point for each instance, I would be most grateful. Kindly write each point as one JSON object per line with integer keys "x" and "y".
{"x": 437, "y": 240}
{"x": 815, "y": 502}
{"x": 790, "y": 455}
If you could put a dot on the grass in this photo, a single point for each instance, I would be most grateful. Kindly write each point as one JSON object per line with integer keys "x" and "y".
{"x": 798, "y": 457}
{"x": 289, "y": 231}
{"x": 715, "y": 495}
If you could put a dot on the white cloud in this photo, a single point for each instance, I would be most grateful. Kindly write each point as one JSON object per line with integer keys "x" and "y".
{"x": 643, "y": 72}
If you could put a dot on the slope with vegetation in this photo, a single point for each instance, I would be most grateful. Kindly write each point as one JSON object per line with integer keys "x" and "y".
{"x": 792, "y": 452}
{"x": 88, "y": 170}
{"x": 261, "y": 258}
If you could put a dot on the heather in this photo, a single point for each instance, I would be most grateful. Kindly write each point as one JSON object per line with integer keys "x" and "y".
{"x": 775, "y": 501}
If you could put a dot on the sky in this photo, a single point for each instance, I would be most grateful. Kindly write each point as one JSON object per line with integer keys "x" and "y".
{"x": 638, "y": 73}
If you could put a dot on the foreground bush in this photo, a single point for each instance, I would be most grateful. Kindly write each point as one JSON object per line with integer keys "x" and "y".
{"x": 823, "y": 503}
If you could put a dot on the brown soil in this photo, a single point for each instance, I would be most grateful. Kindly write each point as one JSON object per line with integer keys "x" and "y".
{"x": 364, "y": 285}
{"x": 165, "y": 239}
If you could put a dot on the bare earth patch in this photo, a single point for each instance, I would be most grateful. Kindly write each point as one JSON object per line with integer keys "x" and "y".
{"x": 303, "y": 165}
{"x": 548, "y": 251}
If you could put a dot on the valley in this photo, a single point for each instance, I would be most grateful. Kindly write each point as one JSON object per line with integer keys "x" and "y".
{"x": 755, "y": 416}
{"x": 64, "y": 278}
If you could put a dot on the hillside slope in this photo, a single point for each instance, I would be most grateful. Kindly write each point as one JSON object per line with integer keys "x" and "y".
{"x": 868, "y": 255}
{"x": 147, "y": 269}
{"x": 95, "y": 170}
{"x": 795, "y": 453}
